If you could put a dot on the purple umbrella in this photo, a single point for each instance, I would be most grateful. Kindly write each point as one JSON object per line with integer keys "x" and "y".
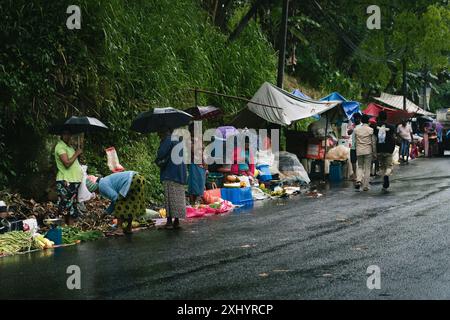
{"x": 208, "y": 112}
{"x": 225, "y": 132}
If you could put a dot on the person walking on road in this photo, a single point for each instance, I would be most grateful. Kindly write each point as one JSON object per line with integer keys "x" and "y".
{"x": 385, "y": 136}
{"x": 365, "y": 150}
{"x": 406, "y": 134}
{"x": 351, "y": 131}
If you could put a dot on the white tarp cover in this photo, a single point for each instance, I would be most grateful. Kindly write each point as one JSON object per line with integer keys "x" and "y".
{"x": 281, "y": 107}
{"x": 397, "y": 102}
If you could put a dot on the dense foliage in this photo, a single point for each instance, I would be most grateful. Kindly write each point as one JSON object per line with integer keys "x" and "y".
{"x": 127, "y": 57}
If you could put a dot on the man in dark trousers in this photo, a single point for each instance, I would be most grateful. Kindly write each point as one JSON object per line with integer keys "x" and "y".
{"x": 385, "y": 137}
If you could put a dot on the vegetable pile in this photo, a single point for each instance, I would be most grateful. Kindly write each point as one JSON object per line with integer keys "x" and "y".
{"x": 15, "y": 241}
{"x": 74, "y": 234}
{"x": 42, "y": 243}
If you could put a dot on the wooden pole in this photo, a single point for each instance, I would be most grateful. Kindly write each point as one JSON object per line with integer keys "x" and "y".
{"x": 404, "y": 84}
{"x": 282, "y": 44}
{"x": 196, "y": 97}
{"x": 325, "y": 153}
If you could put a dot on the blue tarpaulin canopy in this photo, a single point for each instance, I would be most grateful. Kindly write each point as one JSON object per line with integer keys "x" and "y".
{"x": 350, "y": 107}
{"x": 300, "y": 94}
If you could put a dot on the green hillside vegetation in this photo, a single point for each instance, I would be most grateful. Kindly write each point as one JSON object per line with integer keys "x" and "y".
{"x": 128, "y": 57}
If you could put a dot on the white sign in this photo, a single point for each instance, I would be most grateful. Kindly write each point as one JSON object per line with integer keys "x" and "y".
{"x": 374, "y": 21}
{"x": 74, "y": 20}
{"x": 74, "y": 280}
{"x": 374, "y": 280}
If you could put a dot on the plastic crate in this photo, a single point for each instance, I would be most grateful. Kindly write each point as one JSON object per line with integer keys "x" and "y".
{"x": 238, "y": 196}
{"x": 265, "y": 173}
{"x": 55, "y": 235}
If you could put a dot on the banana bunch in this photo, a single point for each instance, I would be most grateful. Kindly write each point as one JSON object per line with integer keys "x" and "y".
{"x": 15, "y": 241}
{"x": 40, "y": 242}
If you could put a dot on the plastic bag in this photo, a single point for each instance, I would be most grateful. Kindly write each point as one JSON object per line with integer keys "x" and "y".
{"x": 265, "y": 157}
{"x": 83, "y": 193}
{"x": 113, "y": 160}
{"x": 291, "y": 168}
{"x": 225, "y": 206}
{"x": 258, "y": 194}
{"x": 382, "y": 134}
{"x": 211, "y": 196}
{"x": 338, "y": 153}
{"x": 31, "y": 225}
{"x": 245, "y": 180}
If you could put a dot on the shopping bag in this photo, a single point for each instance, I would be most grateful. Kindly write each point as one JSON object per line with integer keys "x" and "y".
{"x": 225, "y": 206}
{"x": 212, "y": 195}
{"x": 113, "y": 160}
{"x": 83, "y": 193}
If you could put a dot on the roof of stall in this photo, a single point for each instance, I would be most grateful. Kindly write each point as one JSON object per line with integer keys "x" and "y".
{"x": 350, "y": 107}
{"x": 397, "y": 102}
{"x": 278, "y": 106}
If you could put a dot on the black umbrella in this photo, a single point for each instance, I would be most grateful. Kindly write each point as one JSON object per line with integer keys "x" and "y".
{"x": 159, "y": 119}
{"x": 84, "y": 124}
{"x": 208, "y": 112}
{"x": 425, "y": 119}
{"x": 77, "y": 125}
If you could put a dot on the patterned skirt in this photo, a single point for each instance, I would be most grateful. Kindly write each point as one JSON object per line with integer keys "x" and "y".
{"x": 68, "y": 198}
{"x": 133, "y": 205}
{"x": 174, "y": 199}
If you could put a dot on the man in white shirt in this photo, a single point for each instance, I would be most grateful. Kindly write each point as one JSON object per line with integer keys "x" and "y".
{"x": 351, "y": 131}
{"x": 405, "y": 133}
{"x": 365, "y": 152}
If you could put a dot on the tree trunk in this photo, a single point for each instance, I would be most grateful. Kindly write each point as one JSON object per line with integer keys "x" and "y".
{"x": 245, "y": 20}
{"x": 221, "y": 14}
{"x": 394, "y": 72}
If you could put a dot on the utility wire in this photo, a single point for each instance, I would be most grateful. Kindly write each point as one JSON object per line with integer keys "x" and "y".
{"x": 348, "y": 41}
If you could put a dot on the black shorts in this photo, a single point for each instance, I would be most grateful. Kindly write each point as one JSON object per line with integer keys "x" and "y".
{"x": 353, "y": 156}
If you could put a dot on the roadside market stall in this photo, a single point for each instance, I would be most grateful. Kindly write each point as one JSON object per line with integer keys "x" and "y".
{"x": 324, "y": 149}
{"x": 311, "y": 147}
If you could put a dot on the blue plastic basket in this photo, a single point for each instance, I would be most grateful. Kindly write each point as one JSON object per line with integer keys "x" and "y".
{"x": 55, "y": 235}
{"x": 238, "y": 196}
{"x": 265, "y": 172}
{"x": 336, "y": 172}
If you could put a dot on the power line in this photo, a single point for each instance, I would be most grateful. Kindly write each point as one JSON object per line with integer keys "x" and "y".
{"x": 355, "y": 48}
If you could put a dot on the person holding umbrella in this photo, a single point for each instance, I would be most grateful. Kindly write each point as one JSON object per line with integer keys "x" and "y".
{"x": 172, "y": 173}
{"x": 68, "y": 177}
{"x": 173, "y": 178}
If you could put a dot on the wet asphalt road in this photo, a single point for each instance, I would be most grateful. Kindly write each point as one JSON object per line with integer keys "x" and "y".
{"x": 301, "y": 248}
